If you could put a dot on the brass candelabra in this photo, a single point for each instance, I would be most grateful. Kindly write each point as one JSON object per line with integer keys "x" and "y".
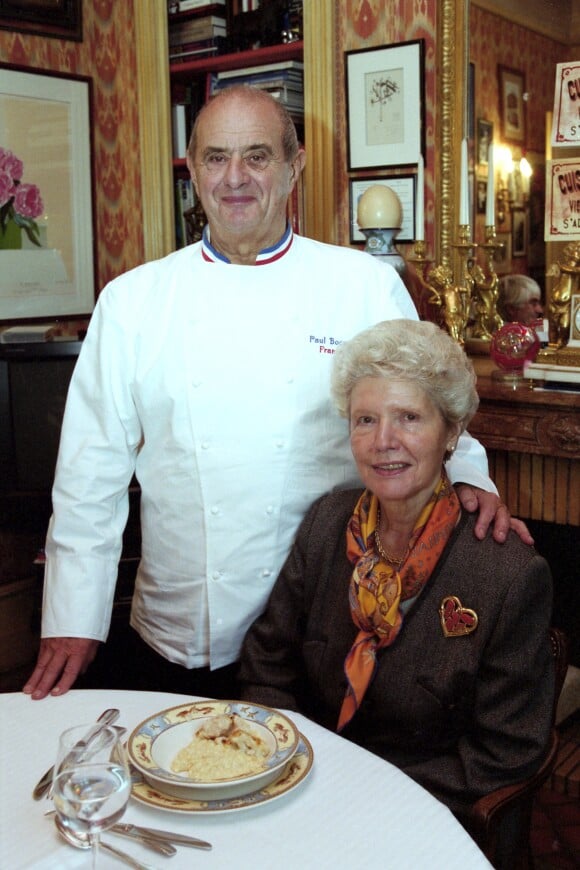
{"x": 468, "y": 298}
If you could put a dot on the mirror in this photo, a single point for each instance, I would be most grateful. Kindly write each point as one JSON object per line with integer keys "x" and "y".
{"x": 514, "y": 46}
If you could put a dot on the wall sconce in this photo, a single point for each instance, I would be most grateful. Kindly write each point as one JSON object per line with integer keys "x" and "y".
{"x": 513, "y": 182}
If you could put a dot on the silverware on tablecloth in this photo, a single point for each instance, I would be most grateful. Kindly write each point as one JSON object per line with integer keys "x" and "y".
{"x": 138, "y": 831}
{"x": 82, "y": 841}
{"x": 165, "y": 836}
{"x": 106, "y": 718}
{"x": 156, "y": 844}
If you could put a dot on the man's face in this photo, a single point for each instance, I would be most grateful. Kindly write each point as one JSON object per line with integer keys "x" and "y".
{"x": 240, "y": 172}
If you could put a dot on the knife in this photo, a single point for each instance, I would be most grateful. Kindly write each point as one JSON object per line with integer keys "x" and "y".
{"x": 106, "y": 718}
{"x": 162, "y": 847}
{"x": 167, "y": 836}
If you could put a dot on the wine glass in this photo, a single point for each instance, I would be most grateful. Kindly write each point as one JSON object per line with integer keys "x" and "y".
{"x": 91, "y": 783}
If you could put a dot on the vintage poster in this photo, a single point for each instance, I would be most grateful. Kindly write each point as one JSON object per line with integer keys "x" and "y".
{"x": 566, "y": 116}
{"x": 562, "y": 221}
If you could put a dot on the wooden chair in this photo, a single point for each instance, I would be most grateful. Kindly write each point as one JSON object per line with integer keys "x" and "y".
{"x": 500, "y": 821}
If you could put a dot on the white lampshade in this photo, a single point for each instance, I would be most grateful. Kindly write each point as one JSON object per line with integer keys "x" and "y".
{"x": 379, "y": 207}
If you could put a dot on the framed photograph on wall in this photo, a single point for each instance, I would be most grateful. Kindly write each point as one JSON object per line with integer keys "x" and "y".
{"x": 512, "y": 85}
{"x": 484, "y": 140}
{"x": 481, "y": 196}
{"x": 47, "y": 261}
{"x": 404, "y": 187}
{"x": 519, "y": 232}
{"x": 385, "y": 105}
{"x": 502, "y": 258}
{"x": 61, "y": 19}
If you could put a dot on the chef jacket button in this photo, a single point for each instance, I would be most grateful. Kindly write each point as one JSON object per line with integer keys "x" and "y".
{"x": 290, "y": 380}
{"x": 279, "y": 443}
{"x": 205, "y": 445}
{"x": 215, "y": 575}
{"x": 215, "y": 511}
{"x": 219, "y": 621}
{"x": 196, "y": 384}
{"x": 270, "y": 509}
{"x": 266, "y": 572}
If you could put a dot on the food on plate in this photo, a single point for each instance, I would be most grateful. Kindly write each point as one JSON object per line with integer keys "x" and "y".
{"x": 224, "y": 747}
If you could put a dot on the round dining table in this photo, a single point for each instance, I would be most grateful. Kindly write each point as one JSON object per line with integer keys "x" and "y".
{"x": 348, "y": 809}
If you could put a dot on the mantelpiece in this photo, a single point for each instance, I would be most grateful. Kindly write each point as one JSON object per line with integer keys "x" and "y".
{"x": 533, "y": 442}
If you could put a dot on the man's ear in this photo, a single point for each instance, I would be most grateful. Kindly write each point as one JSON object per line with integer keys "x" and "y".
{"x": 297, "y": 165}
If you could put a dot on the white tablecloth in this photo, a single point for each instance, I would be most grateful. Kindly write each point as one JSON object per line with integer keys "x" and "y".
{"x": 353, "y": 811}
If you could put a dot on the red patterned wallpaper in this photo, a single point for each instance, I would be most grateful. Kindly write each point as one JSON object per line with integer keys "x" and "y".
{"x": 369, "y": 23}
{"x": 493, "y": 41}
{"x": 107, "y": 54}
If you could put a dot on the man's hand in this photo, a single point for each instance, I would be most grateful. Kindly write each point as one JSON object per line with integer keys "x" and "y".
{"x": 60, "y": 661}
{"x": 491, "y": 509}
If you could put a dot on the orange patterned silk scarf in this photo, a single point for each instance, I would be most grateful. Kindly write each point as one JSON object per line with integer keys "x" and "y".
{"x": 376, "y": 588}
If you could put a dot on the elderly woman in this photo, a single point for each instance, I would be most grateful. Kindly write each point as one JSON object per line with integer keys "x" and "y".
{"x": 520, "y": 299}
{"x": 389, "y": 621}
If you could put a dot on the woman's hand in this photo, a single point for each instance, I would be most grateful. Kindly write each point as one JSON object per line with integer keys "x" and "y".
{"x": 491, "y": 510}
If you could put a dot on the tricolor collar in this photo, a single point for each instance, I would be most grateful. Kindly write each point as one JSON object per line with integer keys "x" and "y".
{"x": 268, "y": 255}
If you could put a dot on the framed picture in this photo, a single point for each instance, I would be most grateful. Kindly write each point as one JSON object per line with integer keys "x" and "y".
{"x": 519, "y": 233}
{"x": 62, "y": 19}
{"x": 484, "y": 140}
{"x": 512, "y": 85}
{"x": 481, "y": 196}
{"x": 404, "y": 187}
{"x": 47, "y": 262}
{"x": 502, "y": 259}
{"x": 385, "y": 105}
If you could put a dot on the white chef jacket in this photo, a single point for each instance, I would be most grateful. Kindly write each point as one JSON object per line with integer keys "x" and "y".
{"x": 210, "y": 381}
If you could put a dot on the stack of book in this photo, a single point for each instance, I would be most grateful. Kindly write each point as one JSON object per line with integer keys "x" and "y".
{"x": 198, "y": 36}
{"x": 284, "y": 80}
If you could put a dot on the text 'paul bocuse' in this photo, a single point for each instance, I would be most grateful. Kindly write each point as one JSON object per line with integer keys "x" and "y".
{"x": 322, "y": 342}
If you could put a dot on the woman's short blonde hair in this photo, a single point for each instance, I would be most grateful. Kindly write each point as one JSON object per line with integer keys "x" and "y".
{"x": 409, "y": 350}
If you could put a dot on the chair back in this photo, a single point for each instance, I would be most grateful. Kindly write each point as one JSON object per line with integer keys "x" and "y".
{"x": 500, "y": 821}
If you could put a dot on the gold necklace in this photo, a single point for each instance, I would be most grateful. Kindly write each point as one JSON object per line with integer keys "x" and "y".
{"x": 384, "y": 554}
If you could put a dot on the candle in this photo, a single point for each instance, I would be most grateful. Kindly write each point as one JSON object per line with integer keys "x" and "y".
{"x": 420, "y": 204}
{"x": 464, "y": 187}
{"x": 490, "y": 204}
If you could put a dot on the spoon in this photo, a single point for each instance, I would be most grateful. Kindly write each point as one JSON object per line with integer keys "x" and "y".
{"x": 81, "y": 841}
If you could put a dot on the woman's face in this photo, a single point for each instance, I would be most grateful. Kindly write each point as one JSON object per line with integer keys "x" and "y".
{"x": 398, "y": 439}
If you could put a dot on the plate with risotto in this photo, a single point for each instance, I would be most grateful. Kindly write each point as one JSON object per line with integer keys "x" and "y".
{"x": 287, "y": 779}
{"x": 213, "y": 749}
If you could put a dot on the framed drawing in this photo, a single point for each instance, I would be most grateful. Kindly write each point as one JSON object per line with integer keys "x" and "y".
{"x": 519, "y": 233}
{"x": 47, "y": 263}
{"x": 62, "y": 19}
{"x": 512, "y": 85}
{"x": 404, "y": 187}
{"x": 484, "y": 140}
{"x": 385, "y": 105}
{"x": 502, "y": 259}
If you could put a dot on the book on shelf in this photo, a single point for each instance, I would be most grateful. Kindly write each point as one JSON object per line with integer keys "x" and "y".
{"x": 197, "y": 28}
{"x": 176, "y": 6}
{"x": 282, "y": 66}
{"x": 198, "y": 48}
{"x": 258, "y": 82}
{"x": 179, "y": 124}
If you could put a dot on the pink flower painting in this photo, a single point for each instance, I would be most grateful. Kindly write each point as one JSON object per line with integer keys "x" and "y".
{"x": 20, "y": 203}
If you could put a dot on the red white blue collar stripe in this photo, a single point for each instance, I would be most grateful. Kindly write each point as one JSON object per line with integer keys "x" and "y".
{"x": 268, "y": 255}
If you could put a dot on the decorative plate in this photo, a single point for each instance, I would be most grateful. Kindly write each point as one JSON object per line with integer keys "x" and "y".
{"x": 295, "y": 772}
{"x": 154, "y": 744}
